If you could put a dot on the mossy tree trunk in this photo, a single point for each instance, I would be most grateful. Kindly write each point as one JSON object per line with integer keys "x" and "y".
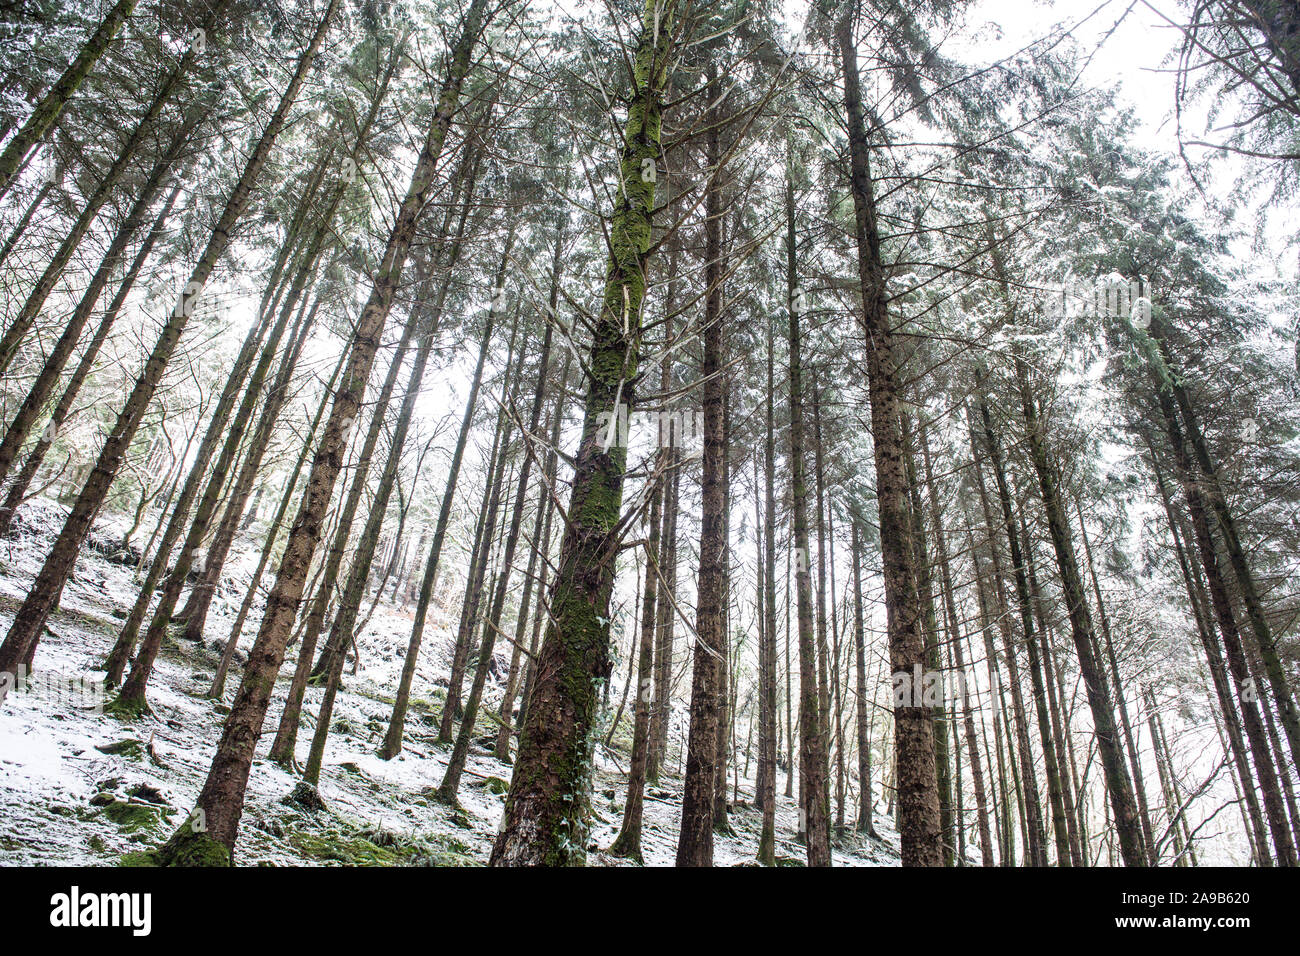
{"x": 547, "y": 808}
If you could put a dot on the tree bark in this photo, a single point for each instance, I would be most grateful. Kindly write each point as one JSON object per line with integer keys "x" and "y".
{"x": 918, "y": 789}
{"x": 547, "y": 807}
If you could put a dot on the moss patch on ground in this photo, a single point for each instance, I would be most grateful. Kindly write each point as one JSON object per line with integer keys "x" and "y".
{"x": 189, "y": 847}
{"x": 134, "y": 817}
{"x": 355, "y": 850}
{"x": 130, "y": 748}
{"x": 346, "y": 846}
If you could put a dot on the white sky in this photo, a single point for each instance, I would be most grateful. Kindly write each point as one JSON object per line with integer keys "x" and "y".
{"x": 1136, "y": 55}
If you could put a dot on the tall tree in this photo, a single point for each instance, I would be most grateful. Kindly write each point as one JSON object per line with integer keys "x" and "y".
{"x": 546, "y": 808}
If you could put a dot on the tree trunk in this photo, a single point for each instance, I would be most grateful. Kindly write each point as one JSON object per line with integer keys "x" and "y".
{"x": 286, "y": 735}
{"x": 476, "y": 583}
{"x": 25, "y": 220}
{"x": 1075, "y": 853}
{"x": 1260, "y": 631}
{"x": 866, "y": 801}
{"x": 218, "y": 688}
{"x": 767, "y": 736}
{"x": 1126, "y": 821}
{"x": 546, "y": 811}
{"x": 196, "y": 609}
{"x": 344, "y": 628}
{"x": 538, "y": 547}
{"x": 628, "y": 841}
{"x": 708, "y": 677}
{"x": 933, "y": 656}
{"x": 955, "y": 642}
{"x": 40, "y": 390}
{"x": 1135, "y": 764}
{"x": 918, "y": 788}
{"x": 1221, "y": 604}
{"x": 1032, "y": 818}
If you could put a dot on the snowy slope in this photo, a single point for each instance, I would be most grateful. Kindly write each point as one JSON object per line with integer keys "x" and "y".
{"x": 63, "y": 801}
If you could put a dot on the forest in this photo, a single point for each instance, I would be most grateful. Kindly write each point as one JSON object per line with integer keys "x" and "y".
{"x": 649, "y": 432}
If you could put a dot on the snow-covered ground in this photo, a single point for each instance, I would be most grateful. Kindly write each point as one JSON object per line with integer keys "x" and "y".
{"x": 64, "y": 800}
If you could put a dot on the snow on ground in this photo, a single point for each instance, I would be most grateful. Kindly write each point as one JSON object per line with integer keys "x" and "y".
{"x": 65, "y": 801}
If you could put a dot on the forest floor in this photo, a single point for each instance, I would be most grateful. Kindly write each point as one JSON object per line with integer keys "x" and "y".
{"x": 64, "y": 800}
